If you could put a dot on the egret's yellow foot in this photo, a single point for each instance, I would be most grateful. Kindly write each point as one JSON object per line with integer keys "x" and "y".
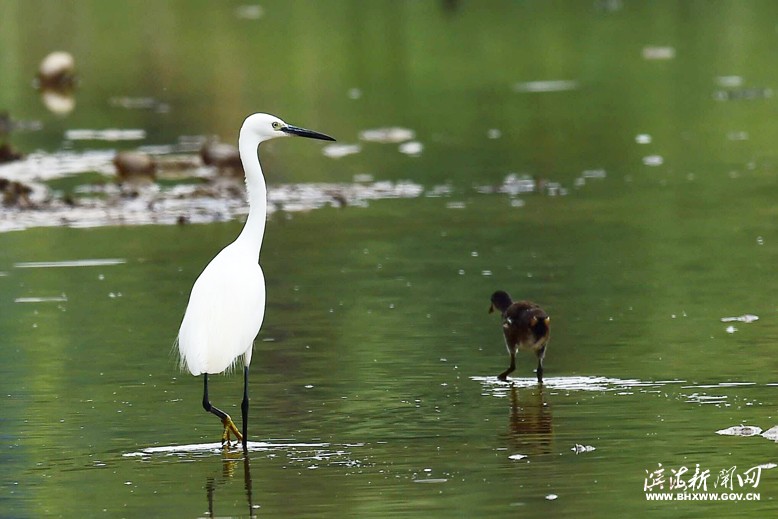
{"x": 229, "y": 426}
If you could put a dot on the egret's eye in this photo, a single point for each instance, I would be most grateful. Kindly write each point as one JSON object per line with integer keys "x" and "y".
{"x": 276, "y": 125}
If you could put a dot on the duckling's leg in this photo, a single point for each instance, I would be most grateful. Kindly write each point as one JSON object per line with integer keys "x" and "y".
{"x": 504, "y": 375}
{"x": 229, "y": 426}
{"x": 539, "y": 371}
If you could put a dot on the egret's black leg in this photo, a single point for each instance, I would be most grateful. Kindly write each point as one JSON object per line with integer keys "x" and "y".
{"x": 225, "y": 418}
{"x": 247, "y": 484}
{"x": 504, "y": 375}
{"x": 244, "y": 406}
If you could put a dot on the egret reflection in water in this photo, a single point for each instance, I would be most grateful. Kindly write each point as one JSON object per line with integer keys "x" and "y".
{"x": 230, "y": 461}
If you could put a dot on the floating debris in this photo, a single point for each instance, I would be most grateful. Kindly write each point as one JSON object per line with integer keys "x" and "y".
{"x": 729, "y": 81}
{"x": 44, "y": 166}
{"x": 135, "y": 166}
{"x": 354, "y": 93}
{"x": 652, "y": 52}
{"x": 653, "y": 160}
{"x": 392, "y": 135}
{"x": 730, "y": 329}
{"x": 643, "y": 138}
{"x": 594, "y": 173}
{"x": 515, "y": 184}
{"x": 103, "y": 205}
{"x": 552, "y": 497}
{"x": 746, "y": 318}
{"x": 336, "y": 151}
{"x": 55, "y": 299}
{"x": 97, "y": 262}
{"x": 578, "y": 448}
{"x": 608, "y": 6}
{"x": 517, "y": 456}
{"x": 493, "y": 133}
{"x": 555, "y": 85}
{"x": 721, "y": 384}
{"x": 111, "y": 134}
{"x": 747, "y": 94}
{"x": 139, "y": 103}
{"x": 737, "y": 136}
{"x": 412, "y": 148}
{"x": 740, "y": 430}
{"x": 249, "y": 12}
{"x": 701, "y": 398}
{"x": 771, "y": 433}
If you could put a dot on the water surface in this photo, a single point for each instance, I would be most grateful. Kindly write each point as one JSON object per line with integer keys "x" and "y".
{"x": 611, "y": 160}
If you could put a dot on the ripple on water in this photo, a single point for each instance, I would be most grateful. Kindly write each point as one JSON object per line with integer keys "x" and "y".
{"x": 701, "y": 394}
{"x": 309, "y": 453}
{"x": 599, "y": 384}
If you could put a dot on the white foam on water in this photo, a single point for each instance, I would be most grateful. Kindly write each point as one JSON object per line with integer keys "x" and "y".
{"x": 54, "y": 299}
{"x": 590, "y": 383}
{"x": 216, "y": 447}
{"x": 70, "y": 263}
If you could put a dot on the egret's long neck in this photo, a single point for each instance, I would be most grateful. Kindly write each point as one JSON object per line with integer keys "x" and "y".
{"x": 253, "y": 231}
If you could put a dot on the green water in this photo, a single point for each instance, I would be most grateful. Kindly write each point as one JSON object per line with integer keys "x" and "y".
{"x": 372, "y": 381}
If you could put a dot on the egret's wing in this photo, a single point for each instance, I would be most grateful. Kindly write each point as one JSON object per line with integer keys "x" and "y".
{"x": 225, "y": 312}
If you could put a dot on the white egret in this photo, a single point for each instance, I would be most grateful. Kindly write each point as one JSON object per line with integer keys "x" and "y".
{"x": 227, "y": 303}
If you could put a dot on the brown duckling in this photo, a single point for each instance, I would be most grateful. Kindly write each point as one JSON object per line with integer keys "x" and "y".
{"x": 224, "y": 157}
{"x": 135, "y": 166}
{"x": 525, "y": 326}
{"x": 57, "y": 71}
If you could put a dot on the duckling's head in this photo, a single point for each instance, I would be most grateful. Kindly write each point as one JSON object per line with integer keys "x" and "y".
{"x": 500, "y": 301}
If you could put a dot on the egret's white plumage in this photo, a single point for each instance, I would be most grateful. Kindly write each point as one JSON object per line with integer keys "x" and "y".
{"x": 227, "y": 303}
{"x": 225, "y": 312}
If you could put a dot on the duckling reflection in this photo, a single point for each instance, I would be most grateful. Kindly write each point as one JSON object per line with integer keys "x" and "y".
{"x": 530, "y": 424}
{"x": 230, "y": 460}
{"x": 58, "y": 102}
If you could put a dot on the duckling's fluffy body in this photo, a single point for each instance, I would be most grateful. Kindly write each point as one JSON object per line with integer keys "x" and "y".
{"x": 525, "y": 326}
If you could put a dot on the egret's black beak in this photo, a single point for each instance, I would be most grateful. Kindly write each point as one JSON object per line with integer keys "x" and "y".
{"x": 302, "y": 132}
